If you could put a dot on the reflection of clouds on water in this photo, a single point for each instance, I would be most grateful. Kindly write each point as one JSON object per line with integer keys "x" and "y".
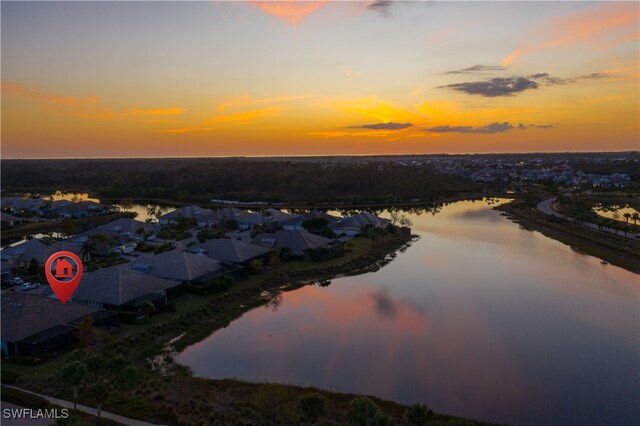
{"x": 385, "y": 305}
{"x": 484, "y": 214}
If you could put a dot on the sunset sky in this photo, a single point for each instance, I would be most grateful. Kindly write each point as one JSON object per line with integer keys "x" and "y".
{"x": 157, "y": 79}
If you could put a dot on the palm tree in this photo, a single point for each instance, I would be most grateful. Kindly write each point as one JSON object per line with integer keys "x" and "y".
{"x": 635, "y": 217}
{"x": 74, "y": 374}
{"x": 130, "y": 377}
{"x": 88, "y": 248}
{"x": 627, "y": 216}
{"x": 99, "y": 390}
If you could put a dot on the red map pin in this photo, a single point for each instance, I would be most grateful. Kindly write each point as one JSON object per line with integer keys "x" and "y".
{"x": 64, "y": 271}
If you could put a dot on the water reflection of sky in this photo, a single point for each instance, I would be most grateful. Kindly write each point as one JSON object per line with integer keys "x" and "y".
{"x": 478, "y": 318}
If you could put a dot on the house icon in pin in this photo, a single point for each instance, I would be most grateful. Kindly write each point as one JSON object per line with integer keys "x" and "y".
{"x": 63, "y": 268}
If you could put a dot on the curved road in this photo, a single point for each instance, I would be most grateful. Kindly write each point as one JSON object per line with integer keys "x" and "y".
{"x": 546, "y": 207}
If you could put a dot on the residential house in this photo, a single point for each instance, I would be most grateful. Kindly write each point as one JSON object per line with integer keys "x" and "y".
{"x": 180, "y": 266}
{"x": 118, "y": 287}
{"x": 188, "y": 212}
{"x": 272, "y": 218}
{"x": 22, "y": 254}
{"x": 124, "y": 232}
{"x": 357, "y": 224}
{"x": 230, "y": 251}
{"x": 301, "y": 243}
{"x": 295, "y": 223}
{"x": 10, "y": 220}
{"x": 33, "y": 324}
{"x": 220, "y": 216}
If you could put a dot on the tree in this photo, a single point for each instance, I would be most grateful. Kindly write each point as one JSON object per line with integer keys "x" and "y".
{"x": 127, "y": 203}
{"x": 128, "y": 379}
{"x": 418, "y": 415}
{"x": 312, "y": 406}
{"x": 146, "y": 309}
{"x": 74, "y": 374}
{"x": 627, "y": 216}
{"x": 69, "y": 227}
{"x": 88, "y": 248}
{"x": 85, "y": 331}
{"x": 99, "y": 390}
{"x": 362, "y": 411}
{"x": 635, "y": 217}
{"x": 316, "y": 225}
{"x": 33, "y": 267}
{"x": 140, "y": 233}
{"x": 255, "y": 266}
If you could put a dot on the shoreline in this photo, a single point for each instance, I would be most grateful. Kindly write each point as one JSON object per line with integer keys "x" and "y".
{"x": 587, "y": 241}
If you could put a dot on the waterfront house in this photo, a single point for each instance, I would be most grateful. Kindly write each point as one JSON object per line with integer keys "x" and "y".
{"x": 180, "y": 266}
{"x": 230, "y": 251}
{"x": 22, "y": 254}
{"x": 33, "y": 324}
{"x": 10, "y": 220}
{"x": 271, "y": 218}
{"x": 301, "y": 244}
{"x": 118, "y": 287}
{"x": 188, "y": 212}
{"x": 358, "y": 224}
{"x": 219, "y": 217}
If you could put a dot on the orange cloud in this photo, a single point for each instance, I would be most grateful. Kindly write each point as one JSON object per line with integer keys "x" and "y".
{"x": 27, "y": 92}
{"x": 188, "y": 130}
{"x": 243, "y": 116}
{"x": 370, "y": 106}
{"x": 603, "y": 26}
{"x": 289, "y": 11}
{"x": 165, "y": 111}
{"x": 243, "y": 101}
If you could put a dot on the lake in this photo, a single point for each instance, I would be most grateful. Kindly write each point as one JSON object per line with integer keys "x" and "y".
{"x": 478, "y": 318}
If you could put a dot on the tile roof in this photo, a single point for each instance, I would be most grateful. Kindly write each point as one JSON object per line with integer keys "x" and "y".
{"x": 229, "y": 250}
{"x": 117, "y": 286}
{"x": 25, "y": 314}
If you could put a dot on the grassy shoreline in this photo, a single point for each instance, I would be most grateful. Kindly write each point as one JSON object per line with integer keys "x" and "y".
{"x": 607, "y": 248}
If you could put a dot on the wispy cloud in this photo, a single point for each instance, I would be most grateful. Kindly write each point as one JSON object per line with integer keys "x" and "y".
{"x": 602, "y": 26}
{"x": 188, "y": 130}
{"x": 248, "y": 101}
{"x": 384, "y": 126}
{"x": 488, "y": 129}
{"x": 292, "y": 12}
{"x": 499, "y": 86}
{"x": 162, "y": 111}
{"x": 244, "y": 116}
{"x": 478, "y": 68}
{"x": 381, "y": 6}
{"x": 22, "y": 91}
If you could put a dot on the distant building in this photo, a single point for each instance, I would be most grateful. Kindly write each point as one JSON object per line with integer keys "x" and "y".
{"x": 218, "y": 217}
{"x": 230, "y": 250}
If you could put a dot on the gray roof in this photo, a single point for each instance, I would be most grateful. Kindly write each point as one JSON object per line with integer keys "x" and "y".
{"x": 269, "y": 215}
{"x": 121, "y": 226}
{"x": 117, "y": 285}
{"x": 36, "y": 249}
{"x": 180, "y": 265}
{"x": 360, "y": 220}
{"x": 186, "y": 212}
{"x": 229, "y": 250}
{"x": 294, "y": 240}
{"x": 221, "y": 215}
{"x": 25, "y": 314}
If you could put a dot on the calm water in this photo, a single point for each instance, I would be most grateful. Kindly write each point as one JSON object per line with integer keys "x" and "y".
{"x": 477, "y": 318}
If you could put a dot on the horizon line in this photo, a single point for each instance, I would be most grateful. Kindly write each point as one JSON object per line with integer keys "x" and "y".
{"x": 315, "y": 155}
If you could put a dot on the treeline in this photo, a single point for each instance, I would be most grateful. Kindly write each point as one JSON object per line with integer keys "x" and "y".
{"x": 200, "y": 180}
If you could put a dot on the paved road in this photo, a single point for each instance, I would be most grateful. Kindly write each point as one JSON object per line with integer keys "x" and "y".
{"x": 89, "y": 410}
{"x": 546, "y": 207}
